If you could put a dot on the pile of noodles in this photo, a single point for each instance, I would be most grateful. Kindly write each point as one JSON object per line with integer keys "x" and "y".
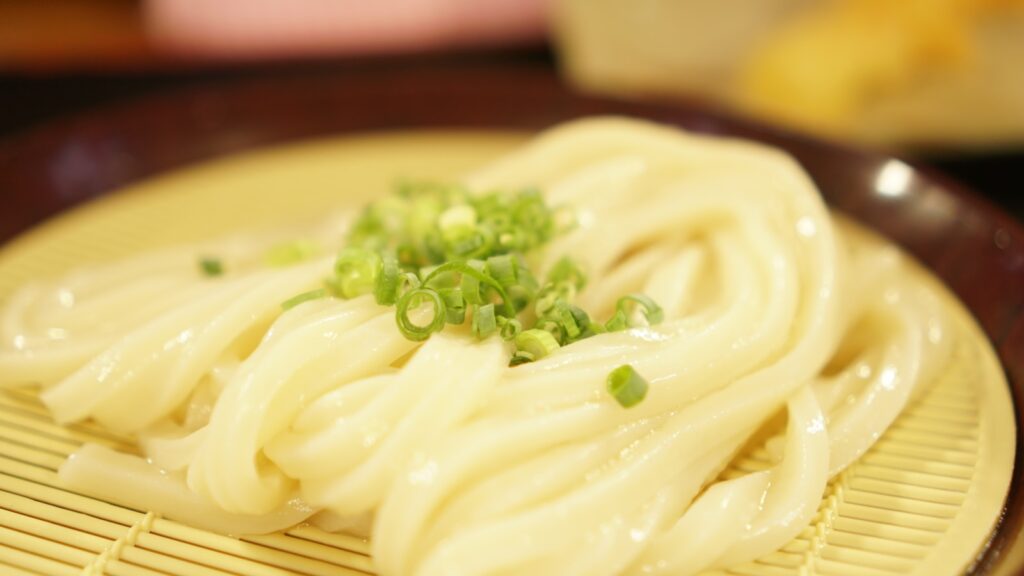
{"x": 254, "y": 419}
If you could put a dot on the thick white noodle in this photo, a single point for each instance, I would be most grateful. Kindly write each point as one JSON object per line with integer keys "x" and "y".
{"x": 253, "y": 419}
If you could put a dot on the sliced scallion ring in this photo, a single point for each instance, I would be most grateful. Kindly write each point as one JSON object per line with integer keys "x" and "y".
{"x": 627, "y": 386}
{"x": 411, "y": 301}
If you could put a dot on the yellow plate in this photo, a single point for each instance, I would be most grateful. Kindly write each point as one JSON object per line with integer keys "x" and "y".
{"x": 923, "y": 501}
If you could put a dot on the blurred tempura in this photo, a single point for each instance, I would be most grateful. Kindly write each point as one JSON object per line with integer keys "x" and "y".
{"x": 905, "y": 72}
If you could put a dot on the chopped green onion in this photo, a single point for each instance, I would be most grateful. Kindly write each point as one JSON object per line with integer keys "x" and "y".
{"x": 568, "y": 323}
{"x": 484, "y": 321}
{"x": 291, "y": 253}
{"x": 462, "y": 236}
{"x": 627, "y": 386}
{"x": 471, "y": 283}
{"x": 455, "y": 305}
{"x": 332, "y": 285}
{"x": 457, "y": 222}
{"x": 549, "y": 325}
{"x": 389, "y": 280}
{"x": 520, "y": 357}
{"x": 211, "y": 266}
{"x": 412, "y": 300}
{"x": 407, "y": 255}
{"x": 356, "y": 271}
{"x": 503, "y": 269}
{"x": 582, "y": 320}
{"x": 617, "y": 322}
{"x": 466, "y": 253}
{"x": 411, "y": 280}
{"x": 545, "y": 303}
{"x": 465, "y": 269}
{"x": 566, "y": 270}
{"x": 473, "y": 245}
{"x": 524, "y": 276}
{"x": 509, "y": 328}
{"x": 508, "y": 271}
{"x": 304, "y": 297}
{"x": 520, "y": 297}
{"x": 626, "y": 312}
{"x": 535, "y": 342}
{"x": 651, "y": 311}
{"x": 443, "y": 278}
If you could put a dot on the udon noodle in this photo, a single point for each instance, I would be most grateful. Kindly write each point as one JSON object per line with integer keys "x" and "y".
{"x": 779, "y": 324}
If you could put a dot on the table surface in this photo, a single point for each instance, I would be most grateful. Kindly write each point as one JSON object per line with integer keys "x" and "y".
{"x": 29, "y": 100}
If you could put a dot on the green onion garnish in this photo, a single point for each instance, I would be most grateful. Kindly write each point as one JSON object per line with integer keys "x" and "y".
{"x": 457, "y": 222}
{"x": 304, "y": 297}
{"x": 509, "y": 328}
{"x": 651, "y": 311}
{"x": 291, "y": 253}
{"x": 566, "y": 271}
{"x": 535, "y": 342}
{"x": 503, "y": 269}
{"x": 471, "y": 283}
{"x": 211, "y": 266}
{"x": 520, "y": 357}
{"x": 627, "y": 386}
{"x": 454, "y": 304}
{"x": 356, "y": 272}
{"x": 466, "y": 270}
{"x": 412, "y": 300}
{"x": 389, "y": 281}
{"x": 627, "y": 314}
{"x": 484, "y": 321}
{"x": 439, "y": 246}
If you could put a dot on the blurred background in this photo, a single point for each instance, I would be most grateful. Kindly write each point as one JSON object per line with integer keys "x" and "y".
{"x": 938, "y": 81}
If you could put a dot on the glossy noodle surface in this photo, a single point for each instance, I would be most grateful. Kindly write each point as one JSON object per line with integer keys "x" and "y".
{"x": 788, "y": 333}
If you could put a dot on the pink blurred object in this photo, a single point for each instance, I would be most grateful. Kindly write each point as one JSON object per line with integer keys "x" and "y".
{"x": 249, "y": 29}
